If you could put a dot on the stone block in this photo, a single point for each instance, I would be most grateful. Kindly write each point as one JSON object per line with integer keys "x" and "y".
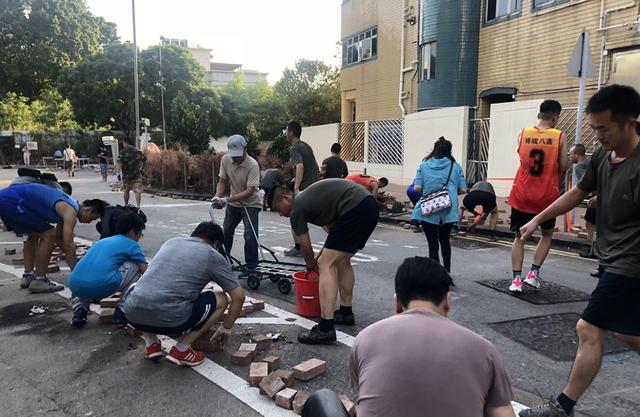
{"x": 249, "y": 347}
{"x": 286, "y": 375}
{"x": 262, "y": 342}
{"x": 110, "y": 302}
{"x": 258, "y": 305}
{"x": 348, "y": 405}
{"x": 242, "y": 358}
{"x": 106, "y": 315}
{"x": 257, "y": 372}
{"x": 273, "y": 361}
{"x": 285, "y": 398}
{"x": 9, "y": 251}
{"x": 299, "y": 401}
{"x": 52, "y": 269}
{"x": 271, "y": 385}
{"x": 309, "y": 369}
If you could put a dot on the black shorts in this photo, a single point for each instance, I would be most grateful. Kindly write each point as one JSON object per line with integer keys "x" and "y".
{"x": 519, "y": 219}
{"x": 67, "y": 164}
{"x": 351, "y": 231}
{"x": 590, "y": 215}
{"x": 202, "y": 310}
{"x": 480, "y": 198}
{"x": 614, "y": 304}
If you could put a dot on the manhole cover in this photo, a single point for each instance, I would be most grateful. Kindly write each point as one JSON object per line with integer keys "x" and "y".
{"x": 553, "y": 336}
{"x": 550, "y": 293}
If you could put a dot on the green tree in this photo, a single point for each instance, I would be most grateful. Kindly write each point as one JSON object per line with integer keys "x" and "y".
{"x": 15, "y": 113}
{"x": 311, "y": 92}
{"x": 253, "y": 139}
{"x": 280, "y": 147}
{"x": 40, "y": 38}
{"x": 53, "y": 113}
{"x": 193, "y": 119}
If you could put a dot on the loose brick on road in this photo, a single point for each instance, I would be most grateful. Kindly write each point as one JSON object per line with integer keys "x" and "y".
{"x": 110, "y": 302}
{"x": 262, "y": 342}
{"x": 287, "y": 376}
{"x": 348, "y": 405}
{"x": 257, "y": 372}
{"x": 285, "y": 398}
{"x": 242, "y": 358}
{"x": 273, "y": 361}
{"x": 258, "y": 305}
{"x": 106, "y": 315}
{"x": 249, "y": 347}
{"x": 299, "y": 401}
{"x": 271, "y": 385}
{"x": 310, "y": 369}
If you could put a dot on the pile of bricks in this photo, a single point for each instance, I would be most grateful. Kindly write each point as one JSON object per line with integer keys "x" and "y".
{"x": 248, "y": 308}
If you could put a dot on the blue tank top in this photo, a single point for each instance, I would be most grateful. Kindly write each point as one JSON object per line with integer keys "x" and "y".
{"x": 41, "y": 199}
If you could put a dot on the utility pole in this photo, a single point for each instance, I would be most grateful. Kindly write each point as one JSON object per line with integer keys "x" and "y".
{"x": 135, "y": 74}
{"x": 164, "y": 130}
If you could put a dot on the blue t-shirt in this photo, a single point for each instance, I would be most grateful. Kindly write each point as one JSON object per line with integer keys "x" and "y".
{"x": 97, "y": 274}
{"x": 431, "y": 176}
{"x": 39, "y": 200}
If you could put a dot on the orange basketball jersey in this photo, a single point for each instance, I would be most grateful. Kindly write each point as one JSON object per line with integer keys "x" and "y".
{"x": 537, "y": 182}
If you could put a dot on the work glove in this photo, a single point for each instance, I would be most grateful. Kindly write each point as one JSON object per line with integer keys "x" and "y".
{"x": 221, "y": 334}
{"x": 219, "y": 202}
{"x": 261, "y": 194}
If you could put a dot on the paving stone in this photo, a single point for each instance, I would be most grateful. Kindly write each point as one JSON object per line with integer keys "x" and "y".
{"x": 242, "y": 358}
{"x": 257, "y": 372}
{"x": 206, "y": 345}
{"x": 262, "y": 342}
{"x": 18, "y": 261}
{"x": 106, "y": 315}
{"x": 286, "y": 375}
{"x": 348, "y": 405}
{"x": 9, "y": 251}
{"x": 258, "y": 305}
{"x": 309, "y": 369}
{"x": 299, "y": 401}
{"x": 285, "y": 398}
{"x": 132, "y": 330}
{"x": 52, "y": 269}
{"x": 110, "y": 302}
{"x": 249, "y": 347}
{"x": 273, "y": 361}
{"x": 271, "y": 385}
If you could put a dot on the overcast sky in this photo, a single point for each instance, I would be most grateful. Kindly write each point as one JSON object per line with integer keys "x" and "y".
{"x": 266, "y": 35}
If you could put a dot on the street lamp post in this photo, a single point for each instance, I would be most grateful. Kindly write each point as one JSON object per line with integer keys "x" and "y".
{"x": 135, "y": 74}
{"x": 164, "y": 134}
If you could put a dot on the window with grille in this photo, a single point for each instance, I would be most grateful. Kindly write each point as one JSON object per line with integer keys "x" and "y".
{"x": 360, "y": 47}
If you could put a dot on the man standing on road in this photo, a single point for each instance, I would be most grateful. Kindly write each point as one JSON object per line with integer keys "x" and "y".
{"x": 305, "y": 169}
{"x": 350, "y": 214}
{"x": 132, "y": 163}
{"x": 69, "y": 160}
{"x": 244, "y": 203}
{"x": 482, "y": 194}
{"x": 170, "y": 298}
{"x": 543, "y": 160}
{"x": 334, "y": 166}
{"x": 26, "y": 156}
{"x": 613, "y": 173}
{"x": 580, "y": 161}
{"x": 372, "y": 184}
{"x": 402, "y": 365}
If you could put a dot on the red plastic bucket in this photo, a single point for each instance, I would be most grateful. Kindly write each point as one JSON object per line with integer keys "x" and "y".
{"x": 307, "y": 295}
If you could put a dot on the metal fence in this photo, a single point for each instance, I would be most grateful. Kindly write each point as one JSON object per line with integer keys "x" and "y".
{"x": 567, "y": 124}
{"x": 386, "y": 142}
{"x": 352, "y": 141}
{"x": 478, "y": 150}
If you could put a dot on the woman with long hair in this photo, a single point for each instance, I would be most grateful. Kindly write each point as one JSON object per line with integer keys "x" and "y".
{"x": 437, "y": 171}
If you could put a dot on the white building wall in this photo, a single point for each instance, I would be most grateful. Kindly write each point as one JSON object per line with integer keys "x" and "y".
{"x": 320, "y": 138}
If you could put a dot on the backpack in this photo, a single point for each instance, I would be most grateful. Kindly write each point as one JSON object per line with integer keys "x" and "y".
{"x": 107, "y": 224}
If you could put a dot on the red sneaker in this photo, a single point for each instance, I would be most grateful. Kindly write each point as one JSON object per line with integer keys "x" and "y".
{"x": 189, "y": 357}
{"x": 153, "y": 352}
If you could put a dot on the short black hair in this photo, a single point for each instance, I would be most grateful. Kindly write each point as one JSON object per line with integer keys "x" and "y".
{"x": 129, "y": 222}
{"x": 336, "y": 148}
{"x": 421, "y": 278}
{"x": 209, "y": 231}
{"x": 579, "y": 149}
{"x": 96, "y": 205}
{"x": 383, "y": 182}
{"x": 549, "y": 109}
{"x": 295, "y": 128}
{"x": 276, "y": 193}
{"x": 622, "y": 101}
{"x": 66, "y": 187}
{"x": 129, "y": 141}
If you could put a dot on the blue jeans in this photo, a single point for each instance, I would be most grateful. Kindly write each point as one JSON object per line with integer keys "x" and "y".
{"x": 232, "y": 217}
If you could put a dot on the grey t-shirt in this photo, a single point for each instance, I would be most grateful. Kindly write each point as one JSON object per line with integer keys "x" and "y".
{"x": 323, "y": 202}
{"x": 163, "y": 296}
{"x": 302, "y": 153}
{"x": 483, "y": 186}
{"x": 581, "y": 168}
{"x": 271, "y": 178}
{"x": 335, "y": 167}
{"x": 618, "y": 210}
{"x": 418, "y": 361}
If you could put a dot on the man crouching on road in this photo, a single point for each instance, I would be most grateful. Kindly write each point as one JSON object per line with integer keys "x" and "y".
{"x": 350, "y": 214}
{"x": 169, "y": 298}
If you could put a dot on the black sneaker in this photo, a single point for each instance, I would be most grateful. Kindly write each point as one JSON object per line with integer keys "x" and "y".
{"x": 79, "y": 318}
{"x": 549, "y": 408}
{"x": 344, "y": 319}
{"x": 119, "y": 318}
{"x": 316, "y": 337}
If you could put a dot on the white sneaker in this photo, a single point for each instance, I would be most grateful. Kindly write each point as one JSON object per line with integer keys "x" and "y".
{"x": 516, "y": 284}
{"x": 533, "y": 279}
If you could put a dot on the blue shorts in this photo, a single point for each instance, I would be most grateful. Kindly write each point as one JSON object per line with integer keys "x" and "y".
{"x": 203, "y": 308}
{"x": 104, "y": 168}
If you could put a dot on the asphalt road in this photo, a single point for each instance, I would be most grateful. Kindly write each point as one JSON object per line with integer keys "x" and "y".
{"x": 49, "y": 368}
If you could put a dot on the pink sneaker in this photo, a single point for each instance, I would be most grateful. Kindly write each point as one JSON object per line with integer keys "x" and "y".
{"x": 533, "y": 279}
{"x": 516, "y": 285}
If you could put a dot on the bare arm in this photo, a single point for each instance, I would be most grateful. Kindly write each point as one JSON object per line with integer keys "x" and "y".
{"x": 307, "y": 250}
{"x": 374, "y": 190}
{"x": 562, "y": 205}
{"x": 248, "y": 192}
{"x": 299, "y": 175}
{"x": 237, "y": 299}
{"x": 563, "y": 156}
{"x": 503, "y": 411}
{"x": 220, "y": 188}
{"x": 69, "y": 220}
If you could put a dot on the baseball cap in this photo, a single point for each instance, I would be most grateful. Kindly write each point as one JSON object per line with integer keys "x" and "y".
{"x": 236, "y": 145}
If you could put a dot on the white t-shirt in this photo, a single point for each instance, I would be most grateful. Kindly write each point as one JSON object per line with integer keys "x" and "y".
{"x": 68, "y": 154}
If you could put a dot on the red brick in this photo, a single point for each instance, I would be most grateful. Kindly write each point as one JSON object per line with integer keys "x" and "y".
{"x": 132, "y": 330}
{"x": 17, "y": 261}
{"x": 583, "y": 235}
{"x": 285, "y": 398}
{"x": 262, "y": 342}
{"x": 247, "y": 308}
{"x": 300, "y": 401}
{"x": 348, "y": 405}
{"x": 271, "y": 385}
{"x": 110, "y": 302}
{"x": 249, "y": 347}
{"x": 286, "y": 375}
{"x": 206, "y": 345}
{"x": 257, "y": 372}
{"x": 242, "y": 358}
{"x": 52, "y": 269}
{"x": 9, "y": 251}
{"x": 106, "y": 315}
{"x": 309, "y": 369}
{"x": 258, "y": 305}
{"x": 273, "y": 361}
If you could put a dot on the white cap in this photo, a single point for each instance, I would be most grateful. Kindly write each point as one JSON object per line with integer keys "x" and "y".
{"x": 236, "y": 144}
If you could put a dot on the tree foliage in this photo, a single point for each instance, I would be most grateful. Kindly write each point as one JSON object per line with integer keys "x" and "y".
{"x": 280, "y": 147}
{"x": 40, "y": 38}
{"x": 311, "y": 92}
{"x": 193, "y": 118}
{"x": 49, "y": 113}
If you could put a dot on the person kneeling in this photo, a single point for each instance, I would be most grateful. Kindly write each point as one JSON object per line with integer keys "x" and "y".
{"x": 112, "y": 264}
{"x": 169, "y": 298}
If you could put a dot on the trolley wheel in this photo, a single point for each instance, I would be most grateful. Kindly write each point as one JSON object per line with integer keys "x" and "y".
{"x": 284, "y": 286}
{"x": 274, "y": 278}
{"x": 253, "y": 282}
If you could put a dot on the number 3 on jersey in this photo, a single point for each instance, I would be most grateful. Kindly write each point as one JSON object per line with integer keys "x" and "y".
{"x": 536, "y": 157}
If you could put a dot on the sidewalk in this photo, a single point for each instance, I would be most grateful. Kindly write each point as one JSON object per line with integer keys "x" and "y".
{"x": 575, "y": 240}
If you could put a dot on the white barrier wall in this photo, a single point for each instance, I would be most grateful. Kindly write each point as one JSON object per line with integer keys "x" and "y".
{"x": 320, "y": 138}
{"x": 507, "y": 121}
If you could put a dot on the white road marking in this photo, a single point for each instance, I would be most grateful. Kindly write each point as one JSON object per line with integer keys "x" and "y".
{"x": 410, "y": 247}
{"x": 173, "y": 205}
{"x": 11, "y": 243}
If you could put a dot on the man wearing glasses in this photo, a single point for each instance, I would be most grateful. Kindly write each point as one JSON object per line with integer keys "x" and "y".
{"x": 112, "y": 264}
